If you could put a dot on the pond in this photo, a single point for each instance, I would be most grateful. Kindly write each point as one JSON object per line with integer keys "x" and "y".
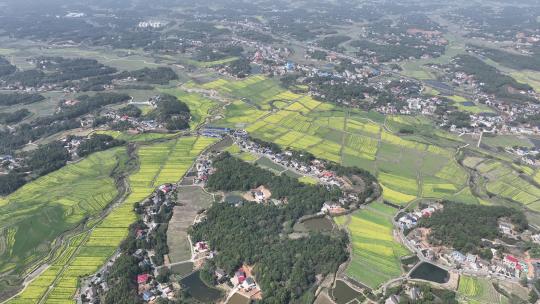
{"x": 342, "y": 293}
{"x": 468, "y": 103}
{"x": 319, "y": 224}
{"x": 430, "y": 272}
{"x": 198, "y": 290}
{"x": 233, "y": 198}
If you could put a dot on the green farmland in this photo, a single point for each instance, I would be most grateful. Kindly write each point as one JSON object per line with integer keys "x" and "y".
{"x": 478, "y": 290}
{"x": 158, "y": 163}
{"x": 376, "y": 255}
{"x": 419, "y": 166}
{"x": 35, "y": 215}
{"x": 508, "y": 182}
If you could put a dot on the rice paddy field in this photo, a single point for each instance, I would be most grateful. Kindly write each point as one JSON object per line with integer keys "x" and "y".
{"x": 35, "y": 215}
{"x": 158, "y": 163}
{"x": 349, "y": 136}
{"x": 376, "y": 254}
{"x": 508, "y": 181}
{"x": 421, "y": 164}
{"x": 478, "y": 290}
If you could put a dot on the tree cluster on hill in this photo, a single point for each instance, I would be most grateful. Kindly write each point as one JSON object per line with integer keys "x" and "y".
{"x": 58, "y": 70}
{"x": 130, "y": 110}
{"x": 529, "y": 118}
{"x": 335, "y": 91}
{"x": 11, "y": 182}
{"x": 25, "y": 133}
{"x": 404, "y": 49}
{"x": 257, "y": 36}
{"x": 285, "y": 268}
{"x": 463, "y": 226}
{"x": 122, "y": 276}
{"x": 494, "y": 82}
{"x": 97, "y": 142}
{"x": 511, "y": 60}
{"x": 500, "y": 24}
{"x": 289, "y": 80}
{"x": 10, "y": 99}
{"x": 459, "y": 119}
{"x": 333, "y": 42}
{"x": 240, "y": 68}
{"x": 172, "y": 112}
{"x": 207, "y": 54}
{"x": 96, "y": 83}
{"x": 47, "y": 158}
{"x": 318, "y": 55}
{"x": 287, "y": 24}
{"x": 86, "y": 105}
{"x": 233, "y": 174}
{"x": 158, "y": 238}
{"x": 6, "y": 67}
{"x": 14, "y": 117}
{"x": 65, "y": 119}
{"x": 160, "y": 75}
{"x": 83, "y": 74}
{"x": 206, "y": 29}
{"x": 450, "y": 115}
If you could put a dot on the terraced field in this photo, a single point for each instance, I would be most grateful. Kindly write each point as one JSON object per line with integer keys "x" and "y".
{"x": 158, "y": 163}
{"x": 376, "y": 255}
{"x": 478, "y": 290}
{"x": 508, "y": 181}
{"x": 349, "y": 136}
{"x": 32, "y": 217}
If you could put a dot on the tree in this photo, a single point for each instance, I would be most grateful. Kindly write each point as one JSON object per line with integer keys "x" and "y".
{"x": 130, "y": 110}
{"x": 285, "y": 268}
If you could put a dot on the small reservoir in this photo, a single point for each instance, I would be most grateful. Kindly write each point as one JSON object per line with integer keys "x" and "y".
{"x": 199, "y": 290}
{"x": 430, "y": 272}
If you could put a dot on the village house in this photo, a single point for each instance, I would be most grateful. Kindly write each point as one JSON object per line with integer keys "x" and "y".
{"x": 506, "y": 227}
{"x": 238, "y": 278}
{"x": 458, "y": 257}
{"x": 201, "y": 247}
{"x": 332, "y": 208}
{"x": 220, "y": 274}
{"x": 407, "y": 221}
{"x": 249, "y": 284}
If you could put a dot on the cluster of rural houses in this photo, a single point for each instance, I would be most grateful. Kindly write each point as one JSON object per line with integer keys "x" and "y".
{"x": 314, "y": 169}
{"x": 149, "y": 289}
{"x": 409, "y": 220}
{"x": 9, "y": 163}
{"x": 242, "y": 282}
{"x": 510, "y": 265}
